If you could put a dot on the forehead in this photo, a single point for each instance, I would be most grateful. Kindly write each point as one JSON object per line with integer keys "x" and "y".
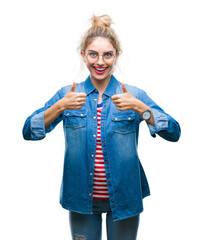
{"x": 100, "y": 44}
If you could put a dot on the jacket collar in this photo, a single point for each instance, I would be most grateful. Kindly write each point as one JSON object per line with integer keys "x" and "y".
{"x": 109, "y": 91}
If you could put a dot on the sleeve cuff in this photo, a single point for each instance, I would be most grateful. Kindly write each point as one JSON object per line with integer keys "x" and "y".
{"x": 160, "y": 121}
{"x": 37, "y": 126}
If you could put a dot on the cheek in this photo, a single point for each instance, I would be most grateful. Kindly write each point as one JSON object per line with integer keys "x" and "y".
{"x": 112, "y": 67}
{"x": 88, "y": 65}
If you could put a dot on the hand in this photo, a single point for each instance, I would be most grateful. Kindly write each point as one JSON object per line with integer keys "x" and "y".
{"x": 126, "y": 101}
{"x": 73, "y": 100}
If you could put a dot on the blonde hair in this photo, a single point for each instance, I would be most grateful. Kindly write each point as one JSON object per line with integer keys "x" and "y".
{"x": 101, "y": 27}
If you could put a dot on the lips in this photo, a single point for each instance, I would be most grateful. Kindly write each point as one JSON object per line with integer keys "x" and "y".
{"x": 100, "y": 70}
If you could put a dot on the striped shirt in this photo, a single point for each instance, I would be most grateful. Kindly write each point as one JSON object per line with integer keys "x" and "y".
{"x": 100, "y": 189}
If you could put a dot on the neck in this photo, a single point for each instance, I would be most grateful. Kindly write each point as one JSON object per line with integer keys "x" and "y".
{"x": 101, "y": 85}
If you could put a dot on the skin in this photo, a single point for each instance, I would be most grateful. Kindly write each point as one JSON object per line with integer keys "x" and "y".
{"x": 100, "y": 45}
{"x": 73, "y": 100}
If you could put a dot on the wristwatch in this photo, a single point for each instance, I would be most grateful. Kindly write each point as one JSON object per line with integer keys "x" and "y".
{"x": 146, "y": 114}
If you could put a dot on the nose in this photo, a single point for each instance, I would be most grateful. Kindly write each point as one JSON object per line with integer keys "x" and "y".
{"x": 100, "y": 60}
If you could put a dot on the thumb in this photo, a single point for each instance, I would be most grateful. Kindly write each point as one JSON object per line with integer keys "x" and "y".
{"x": 73, "y": 87}
{"x": 124, "y": 88}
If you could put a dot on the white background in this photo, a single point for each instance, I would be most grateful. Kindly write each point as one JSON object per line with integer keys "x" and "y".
{"x": 162, "y": 54}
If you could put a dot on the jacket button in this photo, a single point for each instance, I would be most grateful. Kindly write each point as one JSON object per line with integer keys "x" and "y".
{"x": 116, "y": 119}
{"x": 109, "y": 181}
{"x": 112, "y": 201}
{"x": 107, "y": 162}
{"x": 94, "y": 135}
{"x": 90, "y": 194}
{"x": 104, "y": 143}
{"x": 90, "y": 174}
{"x": 92, "y": 155}
{"x": 95, "y": 117}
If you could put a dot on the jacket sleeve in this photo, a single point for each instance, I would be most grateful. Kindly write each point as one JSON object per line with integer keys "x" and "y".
{"x": 34, "y": 127}
{"x": 165, "y": 126}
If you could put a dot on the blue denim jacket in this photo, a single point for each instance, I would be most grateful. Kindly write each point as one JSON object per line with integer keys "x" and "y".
{"x": 126, "y": 180}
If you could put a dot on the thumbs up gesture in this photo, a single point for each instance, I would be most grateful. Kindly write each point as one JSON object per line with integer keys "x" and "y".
{"x": 125, "y": 101}
{"x": 73, "y": 100}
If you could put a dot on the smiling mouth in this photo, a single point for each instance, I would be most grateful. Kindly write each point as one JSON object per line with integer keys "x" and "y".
{"x": 100, "y": 70}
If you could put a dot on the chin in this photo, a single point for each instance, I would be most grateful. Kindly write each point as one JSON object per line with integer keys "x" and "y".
{"x": 98, "y": 77}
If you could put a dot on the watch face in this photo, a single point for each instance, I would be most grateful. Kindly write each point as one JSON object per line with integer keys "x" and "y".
{"x": 146, "y": 115}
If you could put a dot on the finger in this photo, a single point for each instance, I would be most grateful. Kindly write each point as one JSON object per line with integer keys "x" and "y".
{"x": 82, "y": 94}
{"x": 73, "y": 87}
{"x": 117, "y": 101}
{"x": 114, "y": 97}
{"x": 81, "y": 99}
{"x": 120, "y": 109}
{"x": 119, "y": 105}
{"x": 79, "y": 105}
{"x": 124, "y": 88}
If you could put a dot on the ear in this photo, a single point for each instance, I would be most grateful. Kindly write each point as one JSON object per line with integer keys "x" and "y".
{"x": 117, "y": 55}
{"x": 82, "y": 54}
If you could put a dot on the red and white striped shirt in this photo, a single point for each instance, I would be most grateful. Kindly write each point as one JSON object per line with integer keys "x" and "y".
{"x": 100, "y": 189}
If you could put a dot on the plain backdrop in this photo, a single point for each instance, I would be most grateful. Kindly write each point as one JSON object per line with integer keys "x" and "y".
{"x": 162, "y": 54}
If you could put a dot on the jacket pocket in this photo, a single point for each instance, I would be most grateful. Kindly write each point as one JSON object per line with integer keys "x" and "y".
{"x": 75, "y": 119}
{"x": 124, "y": 123}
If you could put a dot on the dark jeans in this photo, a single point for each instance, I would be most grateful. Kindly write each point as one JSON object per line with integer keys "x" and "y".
{"x": 89, "y": 226}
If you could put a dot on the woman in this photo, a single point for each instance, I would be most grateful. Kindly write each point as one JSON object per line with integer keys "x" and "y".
{"x": 101, "y": 117}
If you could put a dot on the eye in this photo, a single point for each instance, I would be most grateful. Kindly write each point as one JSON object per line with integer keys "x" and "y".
{"x": 108, "y": 55}
{"x": 93, "y": 54}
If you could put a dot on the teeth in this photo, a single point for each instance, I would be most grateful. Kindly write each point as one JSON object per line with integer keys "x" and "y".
{"x": 100, "y": 69}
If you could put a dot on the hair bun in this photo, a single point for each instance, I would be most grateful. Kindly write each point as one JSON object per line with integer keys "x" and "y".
{"x": 102, "y": 21}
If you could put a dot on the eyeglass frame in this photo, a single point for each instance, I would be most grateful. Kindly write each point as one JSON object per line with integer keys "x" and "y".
{"x": 97, "y": 58}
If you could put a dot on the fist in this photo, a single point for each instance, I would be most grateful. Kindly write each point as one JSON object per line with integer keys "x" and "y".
{"x": 73, "y": 100}
{"x": 124, "y": 101}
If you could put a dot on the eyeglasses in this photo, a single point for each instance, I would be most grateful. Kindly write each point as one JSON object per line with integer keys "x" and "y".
{"x": 94, "y": 57}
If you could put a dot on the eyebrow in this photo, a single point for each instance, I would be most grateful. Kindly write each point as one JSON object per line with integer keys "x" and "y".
{"x": 110, "y": 51}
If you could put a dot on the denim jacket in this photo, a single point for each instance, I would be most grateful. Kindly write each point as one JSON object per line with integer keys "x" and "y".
{"x": 126, "y": 180}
